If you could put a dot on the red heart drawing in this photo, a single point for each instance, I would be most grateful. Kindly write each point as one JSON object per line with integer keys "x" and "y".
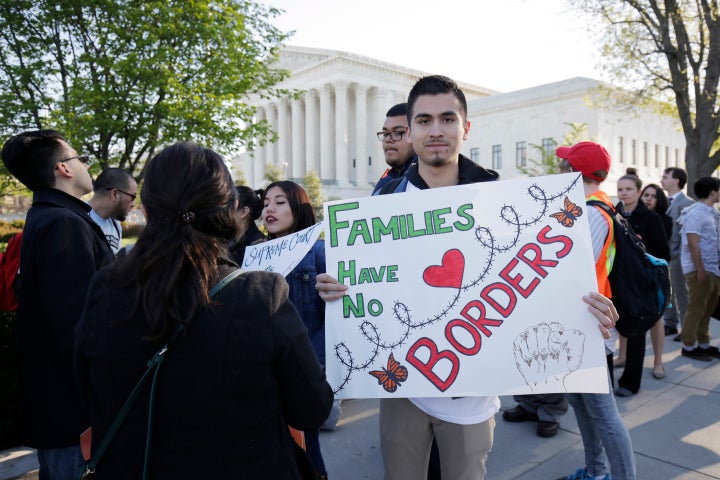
{"x": 449, "y": 274}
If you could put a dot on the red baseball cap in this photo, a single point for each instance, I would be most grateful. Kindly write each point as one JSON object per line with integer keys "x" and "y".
{"x": 589, "y": 158}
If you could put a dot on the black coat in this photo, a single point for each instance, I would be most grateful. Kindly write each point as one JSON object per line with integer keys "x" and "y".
{"x": 61, "y": 250}
{"x": 227, "y": 390}
{"x": 649, "y": 225}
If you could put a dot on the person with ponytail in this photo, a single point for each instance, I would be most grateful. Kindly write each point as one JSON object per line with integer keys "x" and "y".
{"x": 240, "y": 368}
{"x": 249, "y": 209}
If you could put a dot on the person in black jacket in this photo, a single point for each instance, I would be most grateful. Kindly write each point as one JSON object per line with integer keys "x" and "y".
{"x": 240, "y": 372}
{"x": 249, "y": 208}
{"x": 61, "y": 250}
{"x": 649, "y": 226}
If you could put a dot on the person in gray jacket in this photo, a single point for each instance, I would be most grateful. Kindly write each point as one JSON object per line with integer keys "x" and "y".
{"x": 673, "y": 181}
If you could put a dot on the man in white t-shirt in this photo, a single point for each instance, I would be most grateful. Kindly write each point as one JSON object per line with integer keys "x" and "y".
{"x": 114, "y": 196}
{"x": 463, "y": 427}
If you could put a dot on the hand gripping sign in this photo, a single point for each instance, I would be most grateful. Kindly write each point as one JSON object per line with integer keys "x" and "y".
{"x": 461, "y": 291}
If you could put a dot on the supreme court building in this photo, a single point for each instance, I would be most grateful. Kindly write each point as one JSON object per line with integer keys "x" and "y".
{"x": 331, "y": 128}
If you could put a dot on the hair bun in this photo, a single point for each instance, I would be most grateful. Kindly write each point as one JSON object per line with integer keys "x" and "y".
{"x": 631, "y": 171}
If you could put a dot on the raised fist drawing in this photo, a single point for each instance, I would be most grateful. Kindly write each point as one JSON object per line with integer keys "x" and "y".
{"x": 546, "y": 353}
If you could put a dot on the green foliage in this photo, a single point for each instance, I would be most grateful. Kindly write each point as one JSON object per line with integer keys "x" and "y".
{"x": 549, "y": 163}
{"x": 8, "y": 229}
{"x": 313, "y": 187}
{"x": 666, "y": 50}
{"x": 121, "y": 78}
{"x": 273, "y": 173}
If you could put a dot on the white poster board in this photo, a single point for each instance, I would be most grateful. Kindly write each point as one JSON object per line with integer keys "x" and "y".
{"x": 462, "y": 291}
{"x": 282, "y": 254}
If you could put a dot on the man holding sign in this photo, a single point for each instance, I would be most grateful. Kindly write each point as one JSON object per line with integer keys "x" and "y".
{"x": 463, "y": 427}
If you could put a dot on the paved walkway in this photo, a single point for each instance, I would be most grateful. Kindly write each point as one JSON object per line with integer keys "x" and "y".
{"x": 674, "y": 424}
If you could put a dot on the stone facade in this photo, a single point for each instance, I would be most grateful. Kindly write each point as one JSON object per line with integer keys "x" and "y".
{"x": 331, "y": 128}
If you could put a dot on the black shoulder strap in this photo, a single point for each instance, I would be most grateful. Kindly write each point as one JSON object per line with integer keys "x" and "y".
{"x": 603, "y": 206}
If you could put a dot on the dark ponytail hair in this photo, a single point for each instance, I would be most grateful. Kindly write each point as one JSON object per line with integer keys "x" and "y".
{"x": 299, "y": 201}
{"x": 253, "y": 199}
{"x": 189, "y": 201}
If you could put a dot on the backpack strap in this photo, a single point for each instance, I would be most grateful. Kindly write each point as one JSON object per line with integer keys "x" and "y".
{"x": 603, "y": 206}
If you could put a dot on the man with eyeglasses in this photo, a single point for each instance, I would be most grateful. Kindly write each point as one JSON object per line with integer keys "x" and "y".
{"x": 61, "y": 250}
{"x": 399, "y": 154}
{"x": 113, "y": 198}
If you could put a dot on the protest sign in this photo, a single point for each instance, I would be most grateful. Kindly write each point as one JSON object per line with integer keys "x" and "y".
{"x": 461, "y": 291}
{"x": 282, "y": 254}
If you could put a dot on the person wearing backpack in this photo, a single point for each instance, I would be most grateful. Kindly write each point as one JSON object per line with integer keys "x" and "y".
{"x": 605, "y": 438}
{"x": 649, "y": 227}
{"x": 9, "y": 266}
{"x": 700, "y": 255}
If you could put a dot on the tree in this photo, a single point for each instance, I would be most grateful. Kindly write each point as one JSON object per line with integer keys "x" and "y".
{"x": 549, "y": 163}
{"x": 313, "y": 187}
{"x": 273, "y": 173}
{"x": 122, "y": 78}
{"x": 668, "y": 49}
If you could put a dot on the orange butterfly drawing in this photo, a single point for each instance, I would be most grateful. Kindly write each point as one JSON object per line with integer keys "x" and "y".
{"x": 567, "y": 216}
{"x": 391, "y": 377}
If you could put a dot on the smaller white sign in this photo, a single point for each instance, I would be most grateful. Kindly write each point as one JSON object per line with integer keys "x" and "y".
{"x": 282, "y": 254}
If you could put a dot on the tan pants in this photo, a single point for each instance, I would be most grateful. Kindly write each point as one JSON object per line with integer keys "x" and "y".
{"x": 406, "y": 434}
{"x": 701, "y": 304}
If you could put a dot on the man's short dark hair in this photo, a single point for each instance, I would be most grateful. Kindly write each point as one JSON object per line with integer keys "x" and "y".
{"x": 679, "y": 174}
{"x": 703, "y": 186}
{"x": 397, "y": 110}
{"x": 112, "y": 178}
{"x": 435, "y": 85}
{"x": 31, "y": 157}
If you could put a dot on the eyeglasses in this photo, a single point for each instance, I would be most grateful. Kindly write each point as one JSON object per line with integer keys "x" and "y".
{"x": 395, "y": 135}
{"x": 84, "y": 159}
{"x": 132, "y": 196}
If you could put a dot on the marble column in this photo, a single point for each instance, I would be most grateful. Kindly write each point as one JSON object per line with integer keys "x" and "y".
{"x": 361, "y": 135}
{"x": 312, "y": 137}
{"x": 271, "y": 149}
{"x": 256, "y": 166}
{"x": 327, "y": 135}
{"x": 297, "y": 154}
{"x": 283, "y": 135}
{"x": 342, "y": 111}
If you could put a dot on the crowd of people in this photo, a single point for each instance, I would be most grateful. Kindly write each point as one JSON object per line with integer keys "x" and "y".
{"x": 243, "y": 392}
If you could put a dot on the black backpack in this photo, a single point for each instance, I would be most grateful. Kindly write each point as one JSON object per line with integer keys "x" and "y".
{"x": 640, "y": 283}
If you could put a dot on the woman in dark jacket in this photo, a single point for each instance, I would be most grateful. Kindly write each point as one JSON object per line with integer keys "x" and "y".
{"x": 241, "y": 369}
{"x": 649, "y": 226}
{"x": 249, "y": 209}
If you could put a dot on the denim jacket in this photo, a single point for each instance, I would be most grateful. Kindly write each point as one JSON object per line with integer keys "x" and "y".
{"x": 306, "y": 299}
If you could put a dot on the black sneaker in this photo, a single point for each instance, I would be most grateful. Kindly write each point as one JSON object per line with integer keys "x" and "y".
{"x": 712, "y": 351}
{"x": 519, "y": 414}
{"x": 697, "y": 353}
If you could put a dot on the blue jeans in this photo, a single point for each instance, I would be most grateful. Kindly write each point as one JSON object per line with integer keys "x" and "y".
{"x": 60, "y": 463}
{"x": 604, "y": 435}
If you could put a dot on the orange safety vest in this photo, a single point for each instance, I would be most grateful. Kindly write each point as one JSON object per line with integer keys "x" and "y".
{"x": 604, "y": 263}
